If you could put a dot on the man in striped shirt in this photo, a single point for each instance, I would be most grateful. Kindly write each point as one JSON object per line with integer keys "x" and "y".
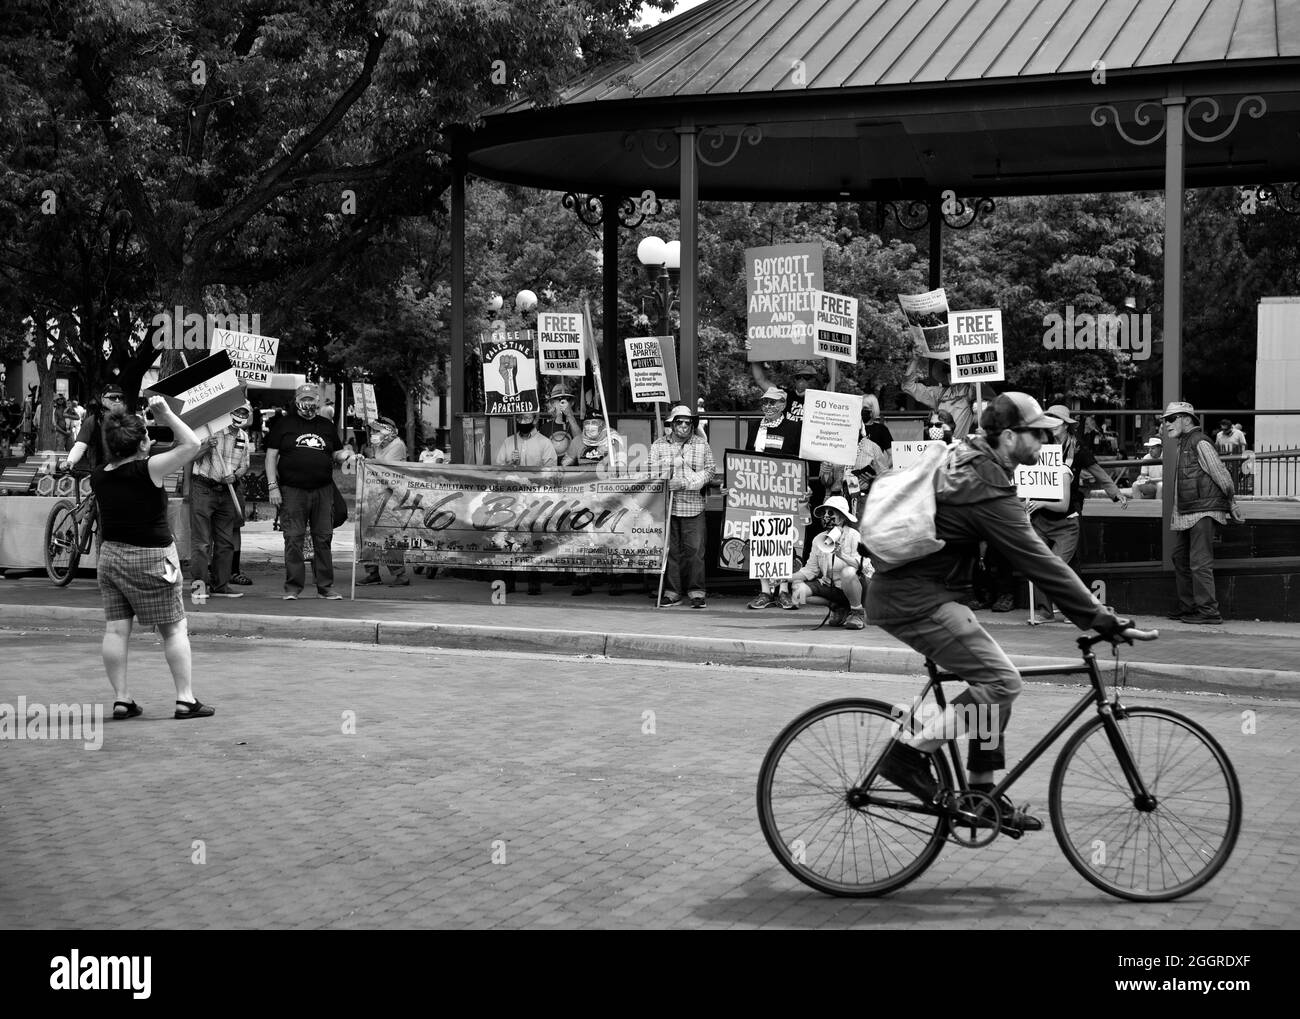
{"x": 1204, "y": 498}
{"x": 686, "y": 461}
{"x": 214, "y": 513}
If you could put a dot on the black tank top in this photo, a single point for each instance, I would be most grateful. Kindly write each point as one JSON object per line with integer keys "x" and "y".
{"x": 132, "y": 510}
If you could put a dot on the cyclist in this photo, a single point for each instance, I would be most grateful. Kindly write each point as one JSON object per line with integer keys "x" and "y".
{"x": 90, "y": 442}
{"x": 920, "y": 602}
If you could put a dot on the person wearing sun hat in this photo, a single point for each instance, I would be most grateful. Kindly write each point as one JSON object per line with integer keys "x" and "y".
{"x": 832, "y": 572}
{"x": 389, "y": 448}
{"x": 215, "y": 514}
{"x": 686, "y": 461}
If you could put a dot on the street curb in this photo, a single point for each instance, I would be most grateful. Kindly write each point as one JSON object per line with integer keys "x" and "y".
{"x": 658, "y": 647}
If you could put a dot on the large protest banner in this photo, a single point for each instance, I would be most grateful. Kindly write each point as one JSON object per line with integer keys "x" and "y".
{"x": 252, "y": 356}
{"x": 781, "y": 283}
{"x": 831, "y": 425}
{"x": 509, "y": 372}
{"x": 975, "y": 342}
{"x": 927, "y": 319}
{"x": 530, "y": 518}
{"x": 759, "y": 484}
{"x": 560, "y": 344}
{"x": 836, "y": 322}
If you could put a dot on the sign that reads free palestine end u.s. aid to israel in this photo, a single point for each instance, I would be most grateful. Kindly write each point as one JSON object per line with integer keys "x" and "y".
{"x": 836, "y": 325}
{"x": 975, "y": 345}
{"x": 560, "y": 344}
{"x": 781, "y": 283}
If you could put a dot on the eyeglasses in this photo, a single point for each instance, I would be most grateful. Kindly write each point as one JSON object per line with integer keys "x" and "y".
{"x": 1171, "y": 418}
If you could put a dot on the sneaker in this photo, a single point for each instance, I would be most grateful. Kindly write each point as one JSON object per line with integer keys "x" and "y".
{"x": 329, "y": 595}
{"x": 225, "y": 592}
{"x": 763, "y": 601}
{"x": 288, "y": 597}
{"x": 1179, "y": 615}
{"x": 1203, "y": 620}
{"x": 401, "y": 580}
{"x": 697, "y": 602}
{"x": 1042, "y": 616}
{"x": 370, "y": 578}
{"x": 857, "y": 620}
{"x": 837, "y": 616}
{"x": 667, "y": 602}
{"x": 785, "y": 601}
{"x": 1006, "y": 603}
{"x": 241, "y": 580}
{"x": 909, "y": 769}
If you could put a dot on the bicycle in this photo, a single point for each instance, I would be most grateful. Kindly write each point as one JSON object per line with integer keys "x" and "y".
{"x": 1144, "y": 802}
{"x": 70, "y": 530}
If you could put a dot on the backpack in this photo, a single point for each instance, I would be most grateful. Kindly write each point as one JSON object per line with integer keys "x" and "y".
{"x": 897, "y": 525}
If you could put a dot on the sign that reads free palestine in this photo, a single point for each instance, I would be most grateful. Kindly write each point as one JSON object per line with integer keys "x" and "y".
{"x": 509, "y": 372}
{"x": 645, "y": 369}
{"x": 831, "y": 423}
{"x": 781, "y": 282}
{"x": 1047, "y": 479}
{"x": 771, "y": 547}
{"x": 975, "y": 345}
{"x": 252, "y": 356}
{"x": 560, "y": 343}
{"x": 836, "y": 324}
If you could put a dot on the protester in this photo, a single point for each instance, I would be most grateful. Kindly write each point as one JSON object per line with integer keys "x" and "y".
{"x": 941, "y": 426}
{"x": 602, "y": 449}
{"x": 805, "y": 376}
{"x": 90, "y": 443}
{"x": 63, "y": 431}
{"x": 242, "y": 418}
{"x": 526, "y": 448}
{"x": 214, "y": 509}
{"x": 301, "y": 450}
{"x": 687, "y": 462}
{"x": 773, "y": 433}
{"x": 431, "y": 454}
{"x": 559, "y": 415}
{"x": 139, "y": 567}
{"x": 937, "y": 391}
{"x": 388, "y": 448}
{"x": 876, "y": 429}
{"x": 833, "y": 571}
{"x": 1204, "y": 500}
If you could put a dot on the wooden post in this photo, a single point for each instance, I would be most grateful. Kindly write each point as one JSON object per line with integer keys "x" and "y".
{"x": 1175, "y": 112}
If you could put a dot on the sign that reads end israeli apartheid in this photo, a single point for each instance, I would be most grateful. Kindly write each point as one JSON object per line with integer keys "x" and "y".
{"x": 509, "y": 372}
{"x": 646, "y": 370}
{"x": 252, "y": 356}
{"x": 781, "y": 282}
{"x": 771, "y": 547}
{"x": 560, "y": 343}
{"x": 1047, "y": 479}
{"x": 836, "y": 324}
{"x": 831, "y": 423}
{"x": 975, "y": 345}
{"x": 759, "y": 485}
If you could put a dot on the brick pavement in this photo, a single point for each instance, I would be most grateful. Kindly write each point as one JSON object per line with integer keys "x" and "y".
{"x": 602, "y": 825}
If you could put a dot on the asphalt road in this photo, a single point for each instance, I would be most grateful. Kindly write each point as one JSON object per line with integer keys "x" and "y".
{"x": 483, "y": 790}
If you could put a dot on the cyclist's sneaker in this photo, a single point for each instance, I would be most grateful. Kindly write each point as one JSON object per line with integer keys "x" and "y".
{"x": 1013, "y": 817}
{"x": 909, "y": 769}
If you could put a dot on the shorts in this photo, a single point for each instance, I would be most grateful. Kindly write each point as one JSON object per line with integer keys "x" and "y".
{"x": 823, "y": 588}
{"x": 141, "y": 582}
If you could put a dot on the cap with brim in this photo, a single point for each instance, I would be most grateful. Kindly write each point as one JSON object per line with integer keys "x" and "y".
{"x": 805, "y": 373}
{"x": 1153, "y": 441}
{"x": 835, "y": 502}
{"x": 560, "y": 391}
{"x": 387, "y": 423}
{"x": 680, "y": 411}
{"x": 1027, "y": 410}
{"x": 1179, "y": 407}
{"x": 774, "y": 394}
{"x": 306, "y": 390}
{"x": 1060, "y": 410}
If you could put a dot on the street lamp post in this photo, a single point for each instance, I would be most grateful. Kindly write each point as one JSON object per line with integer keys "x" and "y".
{"x": 663, "y": 267}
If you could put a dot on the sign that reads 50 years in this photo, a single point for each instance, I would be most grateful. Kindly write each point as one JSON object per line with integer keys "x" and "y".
{"x": 781, "y": 283}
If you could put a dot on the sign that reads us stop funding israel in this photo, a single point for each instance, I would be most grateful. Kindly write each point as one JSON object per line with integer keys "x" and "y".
{"x": 975, "y": 345}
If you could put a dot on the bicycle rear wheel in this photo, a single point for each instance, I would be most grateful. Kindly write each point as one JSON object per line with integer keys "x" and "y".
{"x": 1146, "y": 852}
{"x": 808, "y": 821}
{"x": 62, "y": 542}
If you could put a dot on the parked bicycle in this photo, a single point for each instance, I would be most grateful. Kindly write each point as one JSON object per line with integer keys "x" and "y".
{"x": 70, "y": 530}
{"x": 1144, "y": 802}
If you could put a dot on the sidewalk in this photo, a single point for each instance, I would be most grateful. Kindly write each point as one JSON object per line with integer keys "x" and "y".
{"x": 1240, "y": 656}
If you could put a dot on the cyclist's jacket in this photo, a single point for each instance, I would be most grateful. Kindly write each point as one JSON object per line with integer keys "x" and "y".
{"x": 976, "y": 501}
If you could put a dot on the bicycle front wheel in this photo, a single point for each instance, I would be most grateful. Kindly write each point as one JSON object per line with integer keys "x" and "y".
{"x": 806, "y": 811}
{"x": 1163, "y": 848}
{"x": 62, "y": 542}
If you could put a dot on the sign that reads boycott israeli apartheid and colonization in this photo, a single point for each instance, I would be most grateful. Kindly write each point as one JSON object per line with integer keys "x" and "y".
{"x": 1047, "y": 479}
{"x": 831, "y": 423}
{"x": 252, "y": 356}
{"x": 975, "y": 345}
{"x": 836, "y": 322}
{"x": 509, "y": 372}
{"x": 759, "y": 485}
{"x": 560, "y": 343}
{"x": 771, "y": 547}
{"x": 781, "y": 282}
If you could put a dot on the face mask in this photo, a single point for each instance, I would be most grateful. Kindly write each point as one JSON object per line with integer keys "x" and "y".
{"x": 936, "y": 431}
{"x": 591, "y": 430}
{"x": 524, "y": 429}
{"x": 307, "y": 409}
{"x": 773, "y": 413}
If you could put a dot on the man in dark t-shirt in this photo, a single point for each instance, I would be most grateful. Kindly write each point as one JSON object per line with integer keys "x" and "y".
{"x": 301, "y": 450}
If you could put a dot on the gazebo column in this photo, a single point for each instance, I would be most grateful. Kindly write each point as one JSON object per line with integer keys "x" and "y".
{"x": 609, "y": 290}
{"x": 936, "y": 243}
{"x": 1175, "y": 114}
{"x": 456, "y": 384}
{"x": 690, "y": 242}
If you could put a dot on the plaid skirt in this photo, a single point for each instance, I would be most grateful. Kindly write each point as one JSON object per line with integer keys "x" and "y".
{"x": 141, "y": 582}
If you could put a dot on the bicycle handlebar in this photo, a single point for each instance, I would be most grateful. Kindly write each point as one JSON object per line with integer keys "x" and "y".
{"x": 1133, "y": 633}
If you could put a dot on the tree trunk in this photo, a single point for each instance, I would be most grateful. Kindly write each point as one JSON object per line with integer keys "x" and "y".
{"x": 42, "y": 357}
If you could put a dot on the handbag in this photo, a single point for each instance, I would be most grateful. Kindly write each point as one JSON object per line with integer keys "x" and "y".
{"x": 340, "y": 507}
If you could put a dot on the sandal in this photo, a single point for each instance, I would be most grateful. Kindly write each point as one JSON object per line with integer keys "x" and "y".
{"x": 196, "y": 710}
{"x": 123, "y": 710}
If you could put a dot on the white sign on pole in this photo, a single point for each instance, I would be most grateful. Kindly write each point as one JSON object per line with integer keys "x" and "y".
{"x": 645, "y": 370}
{"x": 1047, "y": 479}
{"x": 560, "y": 343}
{"x": 771, "y": 547}
{"x": 909, "y": 451}
{"x": 252, "y": 356}
{"x": 835, "y": 326}
{"x": 975, "y": 345}
{"x": 831, "y": 423}
{"x": 363, "y": 401}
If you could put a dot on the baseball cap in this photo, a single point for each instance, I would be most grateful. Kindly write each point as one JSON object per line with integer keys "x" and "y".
{"x": 1060, "y": 410}
{"x": 773, "y": 394}
{"x": 1154, "y": 441}
{"x": 1015, "y": 410}
{"x": 805, "y": 372}
{"x": 559, "y": 391}
{"x": 305, "y": 390}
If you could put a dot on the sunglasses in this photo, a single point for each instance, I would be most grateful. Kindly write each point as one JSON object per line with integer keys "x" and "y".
{"x": 1172, "y": 418}
{"x": 113, "y": 397}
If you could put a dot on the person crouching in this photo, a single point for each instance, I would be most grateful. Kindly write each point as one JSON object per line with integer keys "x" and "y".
{"x": 833, "y": 569}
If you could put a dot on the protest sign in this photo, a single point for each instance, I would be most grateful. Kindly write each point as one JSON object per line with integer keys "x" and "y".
{"x": 975, "y": 344}
{"x": 759, "y": 484}
{"x": 836, "y": 323}
{"x": 771, "y": 547}
{"x": 509, "y": 372}
{"x": 1047, "y": 479}
{"x": 780, "y": 283}
{"x": 204, "y": 394}
{"x": 530, "y": 518}
{"x": 645, "y": 369}
{"x": 363, "y": 401}
{"x": 252, "y": 356}
{"x": 831, "y": 423}
{"x": 908, "y": 452}
{"x": 560, "y": 343}
{"x": 927, "y": 319}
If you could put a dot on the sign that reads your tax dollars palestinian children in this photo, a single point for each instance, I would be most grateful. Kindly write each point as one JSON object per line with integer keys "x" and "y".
{"x": 771, "y": 547}
{"x": 781, "y": 282}
{"x": 1047, "y": 479}
{"x": 975, "y": 345}
{"x": 831, "y": 423}
{"x": 559, "y": 343}
{"x": 836, "y": 323}
{"x": 252, "y": 356}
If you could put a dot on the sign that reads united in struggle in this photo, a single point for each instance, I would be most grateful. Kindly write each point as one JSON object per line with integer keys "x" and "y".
{"x": 781, "y": 282}
{"x": 560, "y": 343}
{"x": 509, "y": 372}
{"x": 836, "y": 323}
{"x": 975, "y": 345}
{"x": 759, "y": 485}
{"x": 1047, "y": 479}
{"x": 771, "y": 547}
{"x": 252, "y": 356}
{"x": 645, "y": 369}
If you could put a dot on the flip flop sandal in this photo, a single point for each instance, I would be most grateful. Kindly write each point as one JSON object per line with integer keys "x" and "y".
{"x": 196, "y": 710}
{"x": 123, "y": 710}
